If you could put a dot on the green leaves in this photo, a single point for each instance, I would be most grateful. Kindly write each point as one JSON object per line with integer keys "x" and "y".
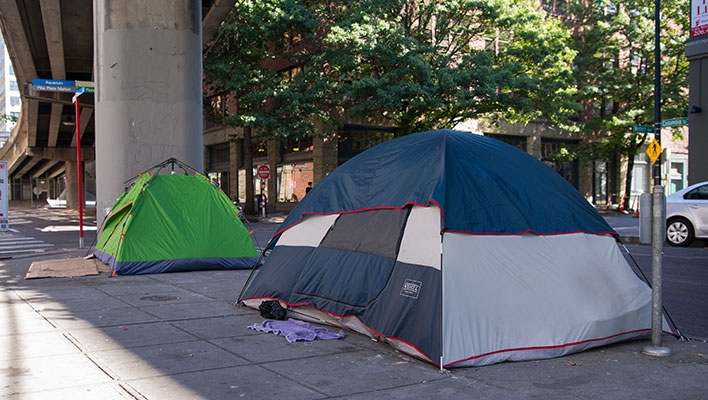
{"x": 415, "y": 65}
{"x": 615, "y": 70}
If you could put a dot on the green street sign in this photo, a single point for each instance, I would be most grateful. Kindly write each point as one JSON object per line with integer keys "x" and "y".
{"x": 674, "y": 122}
{"x": 643, "y": 129}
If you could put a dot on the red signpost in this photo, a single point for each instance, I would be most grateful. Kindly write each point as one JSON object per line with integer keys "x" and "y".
{"x": 79, "y": 90}
{"x": 78, "y": 164}
{"x": 263, "y": 173}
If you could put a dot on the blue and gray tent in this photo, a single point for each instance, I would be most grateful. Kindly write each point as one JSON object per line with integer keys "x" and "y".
{"x": 458, "y": 249}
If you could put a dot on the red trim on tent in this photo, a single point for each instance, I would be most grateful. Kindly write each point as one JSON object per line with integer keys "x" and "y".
{"x": 531, "y": 231}
{"x": 466, "y": 359}
{"x": 547, "y": 347}
{"x": 345, "y": 316}
{"x": 613, "y": 233}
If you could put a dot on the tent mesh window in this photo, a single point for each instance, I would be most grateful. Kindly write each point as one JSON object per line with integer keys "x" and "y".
{"x": 376, "y": 232}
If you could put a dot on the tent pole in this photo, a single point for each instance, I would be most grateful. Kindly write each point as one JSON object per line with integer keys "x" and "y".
{"x": 646, "y": 280}
{"x": 442, "y": 299}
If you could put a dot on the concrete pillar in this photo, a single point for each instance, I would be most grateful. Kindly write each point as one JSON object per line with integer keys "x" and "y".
{"x": 325, "y": 156}
{"x": 149, "y": 89}
{"x": 533, "y": 145}
{"x": 585, "y": 169}
{"x": 697, "y": 54}
{"x": 72, "y": 185}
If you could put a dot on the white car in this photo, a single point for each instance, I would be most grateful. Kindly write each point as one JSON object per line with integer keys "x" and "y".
{"x": 687, "y": 215}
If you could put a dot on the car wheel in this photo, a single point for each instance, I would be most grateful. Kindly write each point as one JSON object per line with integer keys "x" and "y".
{"x": 679, "y": 232}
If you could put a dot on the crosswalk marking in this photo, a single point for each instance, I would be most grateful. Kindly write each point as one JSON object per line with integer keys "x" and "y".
{"x": 26, "y": 246}
{"x": 8, "y": 242}
{"x": 3, "y": 252}
{"x": 11, "y": 243}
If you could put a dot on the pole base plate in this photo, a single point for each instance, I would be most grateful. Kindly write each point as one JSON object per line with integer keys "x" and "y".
{"x": 656, "y": 351}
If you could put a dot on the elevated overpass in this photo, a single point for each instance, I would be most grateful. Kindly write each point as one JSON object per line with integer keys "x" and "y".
{"x": 54, "y": 39}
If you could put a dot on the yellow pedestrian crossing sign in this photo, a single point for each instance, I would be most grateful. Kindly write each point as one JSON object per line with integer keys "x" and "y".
{"x": 654, "y": 151}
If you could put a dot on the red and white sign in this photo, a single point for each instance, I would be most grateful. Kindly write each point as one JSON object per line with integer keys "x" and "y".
{"x": 264, "y": 171}
{"x": 699, "y": 17}
{"x": 4, "y": 218}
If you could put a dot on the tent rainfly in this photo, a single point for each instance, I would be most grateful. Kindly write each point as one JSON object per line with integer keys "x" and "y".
{"x": 169, "y": 223}
{"x": 456, "y": 248}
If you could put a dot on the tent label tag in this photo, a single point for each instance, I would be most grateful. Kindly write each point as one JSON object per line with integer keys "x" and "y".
{"x": 411, "y": 288}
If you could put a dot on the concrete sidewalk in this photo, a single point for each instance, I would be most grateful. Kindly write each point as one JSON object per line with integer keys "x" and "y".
{"x": 178, "y": 336}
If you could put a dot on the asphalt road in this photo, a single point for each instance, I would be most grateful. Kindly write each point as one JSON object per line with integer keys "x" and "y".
{"x": 43, "y": 231}
{"x": 685, "y": 285}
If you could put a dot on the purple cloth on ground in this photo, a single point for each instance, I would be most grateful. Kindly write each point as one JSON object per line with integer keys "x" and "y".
{"x": 294, "y": 330}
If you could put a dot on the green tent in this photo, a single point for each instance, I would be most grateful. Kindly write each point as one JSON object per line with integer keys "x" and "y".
{"x": 167, "y": 223}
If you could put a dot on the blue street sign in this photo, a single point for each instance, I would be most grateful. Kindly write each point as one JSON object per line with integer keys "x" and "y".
{"x": 53, "y": 82}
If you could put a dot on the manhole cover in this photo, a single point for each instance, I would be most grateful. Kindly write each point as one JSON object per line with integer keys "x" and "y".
{"x": 159, "y": 298}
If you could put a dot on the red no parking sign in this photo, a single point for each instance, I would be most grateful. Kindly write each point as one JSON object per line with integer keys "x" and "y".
{"x": 264, "y": 172}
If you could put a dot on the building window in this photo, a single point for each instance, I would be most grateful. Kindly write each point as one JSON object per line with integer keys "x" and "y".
{"x": 216, "y": 112}
{"x": 241, "y": 195}
{"x": 516, "y": 141}
{"x": 297, "y": 145}
{"x": 219, "y": 157}
{"x": 259, "y": 148}
{"x": 220, "y": 179}
{"x": 290, "y": 73}
{"x": 287, "y": 43}
{"x": 13, "y": 85}
{"x": 292, "y": 180}
{"x": 352, "y": 140}
{"x": 555, "y": 7}
{"x": 14, "y": 101}
{"x": 677, "y": 175}
{"x": 600, "y": 183}
{"x": 550, "y": 148}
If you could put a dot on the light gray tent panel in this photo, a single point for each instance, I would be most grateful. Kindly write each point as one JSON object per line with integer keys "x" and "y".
{"x": 529, "y": 297}
{"x": 309, "y": 232}
{"x": 421, "y": 240}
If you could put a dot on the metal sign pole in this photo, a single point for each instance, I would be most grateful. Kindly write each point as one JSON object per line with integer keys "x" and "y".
{"x": 658, "y": 207}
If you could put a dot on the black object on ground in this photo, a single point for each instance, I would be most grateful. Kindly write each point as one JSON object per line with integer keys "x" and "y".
{"x": 271, "y": 309}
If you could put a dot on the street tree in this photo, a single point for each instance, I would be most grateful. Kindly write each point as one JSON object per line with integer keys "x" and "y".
{"x": 415, "y": 65}
{"x": 614, "y": 68}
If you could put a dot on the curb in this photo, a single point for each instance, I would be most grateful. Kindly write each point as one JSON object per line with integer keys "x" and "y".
{"x": 631, "y": 240}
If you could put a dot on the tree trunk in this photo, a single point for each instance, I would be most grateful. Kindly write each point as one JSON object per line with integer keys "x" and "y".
{"x": 628, "y": 182}
{"x": 249, "y": 203}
